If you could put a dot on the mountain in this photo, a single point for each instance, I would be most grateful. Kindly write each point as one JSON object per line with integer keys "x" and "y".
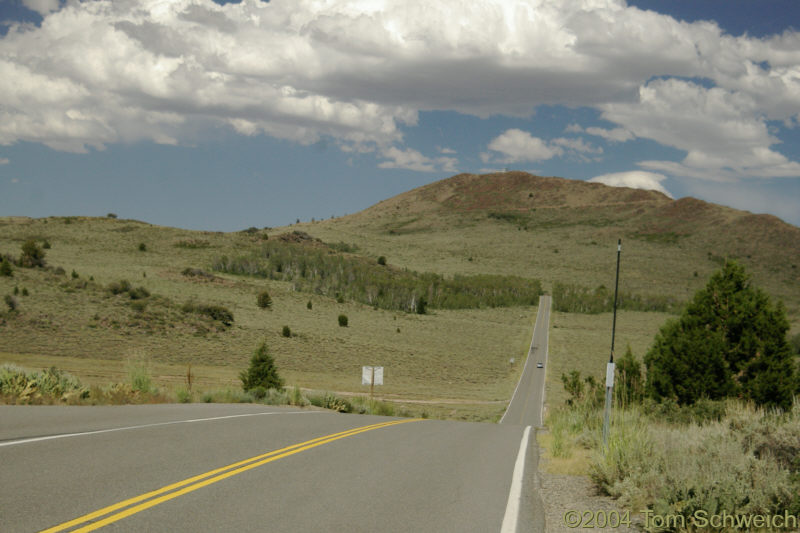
{"x": 566, "y": 231}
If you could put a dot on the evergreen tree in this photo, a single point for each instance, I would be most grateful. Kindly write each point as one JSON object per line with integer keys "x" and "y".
{"x": 262, "y": 371}
{"x": 730, "y": 341}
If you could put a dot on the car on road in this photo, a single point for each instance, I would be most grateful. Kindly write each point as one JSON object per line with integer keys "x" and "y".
{"x": 539, "y": 365}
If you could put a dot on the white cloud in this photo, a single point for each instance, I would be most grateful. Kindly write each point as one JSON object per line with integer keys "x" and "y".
{"x": 720, "y": 131}
{"x": 43, "y": 7}
{"x": 445, "y": 150}
{"x": 613, "y": 135}
{"x": 410, "y": 159}
{"x": 354, "y": 70}
{"x": 517, "y": 145}
{"x": 14, "y": 180}
{"x": 4, "y": 161}
{"x": 577, "y": 145}
{"x": 620, "y": 135}
{"x": 635, "y": 179}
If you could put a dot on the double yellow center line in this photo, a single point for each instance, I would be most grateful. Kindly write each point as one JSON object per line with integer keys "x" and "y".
{"x": 144, "y": 501}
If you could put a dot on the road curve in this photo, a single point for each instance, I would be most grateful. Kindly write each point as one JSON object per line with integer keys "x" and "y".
{"x": 209, "y": 467}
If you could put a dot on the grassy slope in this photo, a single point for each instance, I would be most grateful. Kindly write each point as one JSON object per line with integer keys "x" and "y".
{"x": 564, "y": 230}
{"x": 446, "y": 355}
{"x": 509, "y": 223}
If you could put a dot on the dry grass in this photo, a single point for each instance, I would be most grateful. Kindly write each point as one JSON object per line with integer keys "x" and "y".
{"x": 457, "y": 359}
{"x": 444, "y": 355}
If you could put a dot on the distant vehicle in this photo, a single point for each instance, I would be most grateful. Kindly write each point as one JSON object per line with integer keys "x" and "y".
{"x": 539, "y": 365}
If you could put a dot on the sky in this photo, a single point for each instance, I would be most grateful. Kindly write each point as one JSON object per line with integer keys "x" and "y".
{"x": 220, "y": 116}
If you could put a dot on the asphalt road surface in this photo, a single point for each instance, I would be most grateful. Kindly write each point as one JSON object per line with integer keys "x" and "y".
{"x": 528, "y": 399}
{"x": 213, "y": 467}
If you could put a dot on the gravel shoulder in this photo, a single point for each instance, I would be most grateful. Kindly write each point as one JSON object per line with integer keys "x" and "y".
{"x": 561, "y": 493}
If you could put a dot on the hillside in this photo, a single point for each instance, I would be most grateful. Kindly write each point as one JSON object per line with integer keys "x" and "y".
{"x": 79, "y": 315}
{"x": 478, "y": 248}
{"x": 560, "y": 230}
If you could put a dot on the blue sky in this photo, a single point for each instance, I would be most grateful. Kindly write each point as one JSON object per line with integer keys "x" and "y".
{"x": 201, "y": 115}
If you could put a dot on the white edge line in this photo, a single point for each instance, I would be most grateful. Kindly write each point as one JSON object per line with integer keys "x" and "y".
{"x": 527, "y": 359}
{"x": 511, "y": 517}
{"x": 66, "y": 435}
{"x": 546, "y": 356}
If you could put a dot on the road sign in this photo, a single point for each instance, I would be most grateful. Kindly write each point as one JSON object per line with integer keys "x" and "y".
{"x": 370, "y": 378}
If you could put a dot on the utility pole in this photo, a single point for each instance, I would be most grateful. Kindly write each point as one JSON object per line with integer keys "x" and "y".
{"x": 610, "y": 365}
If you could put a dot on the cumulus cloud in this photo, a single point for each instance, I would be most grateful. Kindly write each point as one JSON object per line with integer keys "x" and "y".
{"x": 413, "y": 160}
{"x": 720, "y": 131}
{"x": 108, "y": 71}
{"x": 43, "y": 7}
{"x": 612, "y": 135}
{"x": 635, "y": 179}
{"x": 515, "y": 145}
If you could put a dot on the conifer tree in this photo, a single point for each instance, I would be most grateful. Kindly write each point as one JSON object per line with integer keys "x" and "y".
{"x": 730, "y": 341}
{"x": 262, "y": 371}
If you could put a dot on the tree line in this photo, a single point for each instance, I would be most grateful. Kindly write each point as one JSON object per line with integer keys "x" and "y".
{"x": 321, "y": 270}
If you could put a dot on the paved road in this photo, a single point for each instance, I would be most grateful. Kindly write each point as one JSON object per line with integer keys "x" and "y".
{"x": 63, "y": 463}
{"x": 528, "y": 399}
{"x": 213, "y": 467}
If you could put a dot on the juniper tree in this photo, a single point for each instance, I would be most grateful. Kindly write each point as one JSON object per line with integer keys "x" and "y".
{"x": 262, "y": 371}
{"x": 729, "y": 341}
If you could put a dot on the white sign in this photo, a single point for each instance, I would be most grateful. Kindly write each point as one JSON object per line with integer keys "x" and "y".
{"x": 609, "y": 375}
{"x": 367, "y": 376}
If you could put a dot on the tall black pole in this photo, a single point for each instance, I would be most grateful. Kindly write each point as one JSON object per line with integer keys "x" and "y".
{"x": 610, "y": 365}
{"x": 616, "y": 290}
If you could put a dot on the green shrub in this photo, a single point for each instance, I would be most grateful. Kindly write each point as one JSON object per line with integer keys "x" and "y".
{"x": 11, "y": 302}
{"x": 309, "y": 305}
{"x": 142, "y": 247}
{"x": 262, "y": 371}
{"x": 297, "y": 397}
{"x": 343, "y": 321}
{"x": 16, "y": 290}
{"x": 259, "y": 392}
{"x": 32, "y": 255}
{"x": 119, "y": 287}
{"x": 744, "y": 464}
{"x": 139, "y": 305}
{"x": 197, "y": 273}
{"x": 138, "y": 293}
{"x": 329, "y": 400}
{"x": 111, "y": 215}
{"x": 382, "y": 260}
{"x": 31, "y": 387}
{"x": 264, "y": 300}
{"x": 25, "y": 291}
{"x": 5, "y": 268}
{"x": 139, "y": 376}
{"x": 46, "y": 245}
{"x": 183, "y": 395}
{"x": 74, "y": 274}
{"x": 215, "y": 312}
